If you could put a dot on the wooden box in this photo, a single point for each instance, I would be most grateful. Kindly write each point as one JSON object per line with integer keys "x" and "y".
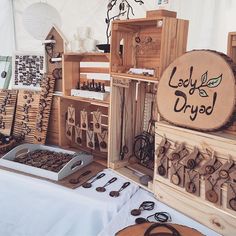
{"x": 217, "y": 217}
{"x": 76, "y": 66}
{"x": 150, "y": 43}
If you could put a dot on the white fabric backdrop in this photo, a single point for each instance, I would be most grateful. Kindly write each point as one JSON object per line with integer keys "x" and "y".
{"x": 210, "y": 21}
{"x": 6, "y": 28}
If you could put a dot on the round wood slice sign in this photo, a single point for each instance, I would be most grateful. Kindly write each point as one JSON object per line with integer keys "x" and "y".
{"x": 197, "y": 91}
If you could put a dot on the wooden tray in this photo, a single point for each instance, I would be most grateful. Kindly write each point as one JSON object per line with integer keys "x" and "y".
{"x": 77, "y": 162}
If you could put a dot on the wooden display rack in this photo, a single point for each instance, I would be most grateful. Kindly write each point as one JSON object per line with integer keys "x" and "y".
{"x": 217, "y": 217}
{"x": 152, "y": 43}
{"x": 76, "y": 66}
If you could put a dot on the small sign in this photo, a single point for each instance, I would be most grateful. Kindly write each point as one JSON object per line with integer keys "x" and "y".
{"x": 120, "y": 82}
{"x": 198, "y": 91}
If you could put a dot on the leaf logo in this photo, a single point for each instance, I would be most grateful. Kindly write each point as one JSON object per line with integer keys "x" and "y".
{"x": 214, "y": 82}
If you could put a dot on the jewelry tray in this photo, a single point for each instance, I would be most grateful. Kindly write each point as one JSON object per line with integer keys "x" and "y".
{"x": 79, "y": 161}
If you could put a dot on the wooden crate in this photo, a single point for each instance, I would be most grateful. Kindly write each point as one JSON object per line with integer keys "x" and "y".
{"x": 231, "y": 52}
{"x": 79, "y": 104}
{"x": 218, "y": 218}
{"x": 74, "y": 70}
{"x": 151, "y": 43}
{"x": 133, "y": 119}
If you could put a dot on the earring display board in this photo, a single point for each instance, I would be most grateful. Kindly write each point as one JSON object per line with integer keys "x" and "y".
{"x": 28, "y": 69}
{"x": 44, "y": 111}
{"x": 5, "y": 71}
{"x": 207, "y": 194}
{"x": 8, "y": 100}
{"x": 26, "y": 115}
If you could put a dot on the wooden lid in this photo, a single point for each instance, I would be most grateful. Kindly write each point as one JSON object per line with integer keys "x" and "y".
{"x": 140, "y": 229}
{"x": 197, "y": 91}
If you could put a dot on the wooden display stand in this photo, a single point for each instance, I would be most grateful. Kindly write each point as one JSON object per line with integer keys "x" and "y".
{"x": 76, "y": 66}
{"x": 216, "y": 216}
{"x": 150, "y": 43}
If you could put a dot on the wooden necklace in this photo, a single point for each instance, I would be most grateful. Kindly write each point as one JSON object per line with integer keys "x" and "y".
{"x": 175, "y": 178}
{"x": 4, "y": 73}
{"x": 232, "y": 201}
{"x": 190, "y": 185}
{"x": 83, "y": 119}
{"x": 102, "y": 143}
{"x": 161, "y": 168}
{"x": 71, "y": 111}
{"x": 78, "y": 135}
{"x": 211, "y": 194}
{"x": 97, "y": 119}
{"x": 90, "y": 135}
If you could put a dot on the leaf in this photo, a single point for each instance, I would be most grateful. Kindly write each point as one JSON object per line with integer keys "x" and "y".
{"x": 203, "y": 93}
{"x": 204, "y": 78}
{"x": 212, "y": 83}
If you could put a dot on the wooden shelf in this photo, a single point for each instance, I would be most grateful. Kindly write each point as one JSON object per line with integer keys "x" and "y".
{"x": 87, "y": 57}
{"x": 136, "y": 77}
{"x": 91, "y": 101}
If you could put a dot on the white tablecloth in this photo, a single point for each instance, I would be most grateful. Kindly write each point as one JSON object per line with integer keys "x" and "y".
{"x": 124, "y": 218}
{"x": 34, "y": 207}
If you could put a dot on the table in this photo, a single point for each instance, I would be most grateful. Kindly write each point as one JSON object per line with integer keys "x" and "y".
{"x": 35, "y": 207}
{"x": 124, "y": 218}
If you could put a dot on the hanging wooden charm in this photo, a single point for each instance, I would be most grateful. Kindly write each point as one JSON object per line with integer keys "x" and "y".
{"x": 162, "y": 160}
{"x": 231, "y": 196}
{"x": 71, "y": 115}
{"x": 192, "y": 160}
{"x": 103, "y": 140}
{"x": 84, "y": 120}
{"x": 69, "y": 131}
{"x": 90, "y": 139}
{"x": 179, "y": 153}
{"x": 192, "y": 182}
{"x": 78, "y": 135}
{"x": 177, "y": 174}
{"x": 200, "y": 87}
{"x": 97, "y": 121}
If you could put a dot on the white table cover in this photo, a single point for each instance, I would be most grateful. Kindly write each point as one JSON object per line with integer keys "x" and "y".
{"x": 124, "y": 218}
{"x": 34, "y": 207}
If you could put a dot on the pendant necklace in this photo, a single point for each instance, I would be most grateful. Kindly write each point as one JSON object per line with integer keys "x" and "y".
{"x": 71, "y": 113}
{"x": 83, "y": 116}
{"x": 190, "y": 186}
{"x": 4, "y": 73}
{"x": 90, "y": 143}
{"x": 211, "y": 194}
{"x": 232, "y": 201}
{"x": 175, "y": 177}
{"x": 97, "y": 116}
{"x": 161, "y": 168}
{"x": 103, "y": 135}
{"x": 78, "y": 132}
